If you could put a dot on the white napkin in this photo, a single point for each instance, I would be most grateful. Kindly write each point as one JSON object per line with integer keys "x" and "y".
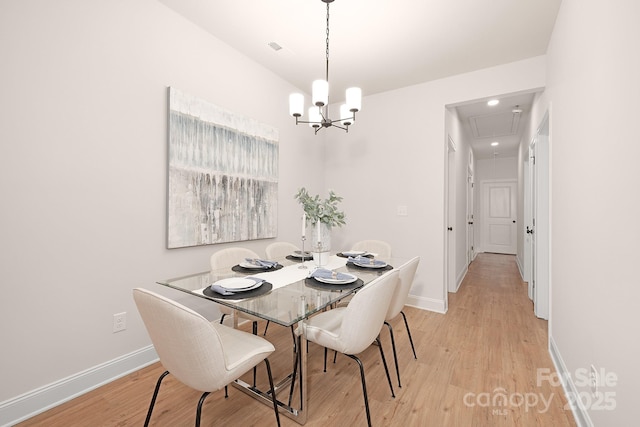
{"x": 365, "y": 261}
{"x": 261, "y": 262}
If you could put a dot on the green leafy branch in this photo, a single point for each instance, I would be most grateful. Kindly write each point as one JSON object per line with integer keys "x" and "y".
{"x": 326, "y": 211}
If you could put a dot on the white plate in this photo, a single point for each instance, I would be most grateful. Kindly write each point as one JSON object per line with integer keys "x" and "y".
{"x": 250, "y": 288}
{"x": 298, "y": 254}
{"x": 368, "y": 265}
{"x": 253, "y": 266}
{"x": 351, "y": 279}
{"x": 236, "y": 283}
{"x": 354, "y": 253}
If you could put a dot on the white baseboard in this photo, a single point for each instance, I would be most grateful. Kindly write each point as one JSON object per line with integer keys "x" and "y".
{"x": 579, "y": 412}
{"x": 461, "y": 277}
{"x": 429, "y": 304}
{"x": 520, "y": 268}
{"x": 34, "y": 402}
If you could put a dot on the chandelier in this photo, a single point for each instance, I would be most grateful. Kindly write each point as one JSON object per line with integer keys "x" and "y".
{"x": 319, "y": 111}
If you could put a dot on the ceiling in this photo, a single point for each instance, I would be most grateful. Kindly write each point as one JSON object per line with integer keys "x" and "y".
{"x": 378, "y": 45}
{"x": 504, "y": 123}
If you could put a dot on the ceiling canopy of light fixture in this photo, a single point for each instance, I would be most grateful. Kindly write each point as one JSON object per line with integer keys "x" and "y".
{"x": 319, "y": 111}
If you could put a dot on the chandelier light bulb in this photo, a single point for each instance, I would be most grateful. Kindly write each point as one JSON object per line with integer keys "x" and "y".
{"x": 354, "y": 99}
{"x": 314, "y": 117}
{"x": 320, "y": 92}
{"x": 346, "y": 116}
{"x": 296, "y": 104}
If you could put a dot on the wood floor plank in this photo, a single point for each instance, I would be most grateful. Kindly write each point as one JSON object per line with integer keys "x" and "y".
{"x": 475, "y": 366}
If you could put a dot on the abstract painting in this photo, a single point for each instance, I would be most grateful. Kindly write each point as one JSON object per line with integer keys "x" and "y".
{"x": 223, "y": 175}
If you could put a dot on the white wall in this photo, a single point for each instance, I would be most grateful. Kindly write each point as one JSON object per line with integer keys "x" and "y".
{"x": 83, "y": 172}
{"x": 500, "y": 168}
{"x": 592, "y": 86}
{"x": 395, "y": 155}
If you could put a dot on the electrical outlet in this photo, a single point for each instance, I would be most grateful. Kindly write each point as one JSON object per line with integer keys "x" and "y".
{"x": 119, "y": 322}
{"x": 593, "y": 380}
{"x": 402, "y": 210}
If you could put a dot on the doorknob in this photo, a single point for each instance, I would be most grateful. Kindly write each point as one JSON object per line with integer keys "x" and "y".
{"x": 529, "y": 231}
{"x": 450, "y": 228}
{"x": 470, "y": 222}
{"x": 514, "y": 221}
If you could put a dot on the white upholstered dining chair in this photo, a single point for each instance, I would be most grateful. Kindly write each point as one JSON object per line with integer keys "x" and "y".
{"x": 405, "y": 280}
{"x": 351, "y": 329}
{"x": 279, "y": 250}
{"x": 227, "y": 258}
{"x": 378, "y": 247}
{"x": 203, "y": 355}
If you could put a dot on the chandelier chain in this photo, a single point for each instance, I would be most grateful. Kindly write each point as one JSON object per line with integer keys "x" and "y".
{"x": 327, "y": 31}
{"x": 327, "y": 52}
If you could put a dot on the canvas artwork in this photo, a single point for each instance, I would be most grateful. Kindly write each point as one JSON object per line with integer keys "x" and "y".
{"x": 223, "y": 175}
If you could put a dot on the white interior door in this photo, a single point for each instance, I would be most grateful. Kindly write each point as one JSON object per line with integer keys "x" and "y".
{"x": 499, "y": 201}
{"x": 540, "y": 221}
{"x": 471, "y": 254}
{"x": 527, "y": 256}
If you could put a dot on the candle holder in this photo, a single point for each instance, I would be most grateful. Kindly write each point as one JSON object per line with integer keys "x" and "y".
{"x": 319, "y": 260}
{"x": 303, "y": 255}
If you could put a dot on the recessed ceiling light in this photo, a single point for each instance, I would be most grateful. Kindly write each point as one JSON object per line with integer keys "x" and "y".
{"x": 495, "y": 143}
{"x": 493, "y": 102}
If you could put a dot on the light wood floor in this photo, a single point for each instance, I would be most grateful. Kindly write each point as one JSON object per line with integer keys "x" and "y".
{"x": 489, "y": 345}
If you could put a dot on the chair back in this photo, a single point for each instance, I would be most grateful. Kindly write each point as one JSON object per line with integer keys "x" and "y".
{"x": 382, "y": 249}
{"x": 227, "y": 258}
{"x": 279, "y": 250}
{"x": 405, "y": 280}
{"x": 188, "y": 345}
{"x": 364, "y": 316}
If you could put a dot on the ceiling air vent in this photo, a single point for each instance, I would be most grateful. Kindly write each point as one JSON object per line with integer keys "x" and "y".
{"x": 275, "y": 46}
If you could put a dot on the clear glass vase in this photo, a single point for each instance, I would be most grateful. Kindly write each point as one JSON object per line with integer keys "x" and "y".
{"x": 321, "y": 243}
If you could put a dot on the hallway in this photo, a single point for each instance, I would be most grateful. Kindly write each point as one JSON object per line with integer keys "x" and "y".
{"x": 501, "y": 349}
{"x": 484, "y": 363}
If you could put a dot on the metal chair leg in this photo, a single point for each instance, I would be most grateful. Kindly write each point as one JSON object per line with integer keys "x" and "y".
{"x": 409, "y": 333}
{"x": 325, "y": 359}
{"x": 273, "y": 391}
{"x": 199, "y": 410}
{"x": 155, "y": 395}
{"x": 364, "y": 388}
{"x": 265, "y": 328}
{"x": 222, "y": 319}
{"x": 386, "y": 369}
{"x": 255, "y": 332}
{"x": 395, "y": 355}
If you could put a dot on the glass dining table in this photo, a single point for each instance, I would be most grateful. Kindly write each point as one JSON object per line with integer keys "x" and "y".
{"x": 287, "y": 296}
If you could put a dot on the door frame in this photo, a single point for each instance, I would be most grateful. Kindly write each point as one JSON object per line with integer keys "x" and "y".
{"x": 471, "y": 245}
{"x": 450, "y": 218}
{"x": 540, "y": 222}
